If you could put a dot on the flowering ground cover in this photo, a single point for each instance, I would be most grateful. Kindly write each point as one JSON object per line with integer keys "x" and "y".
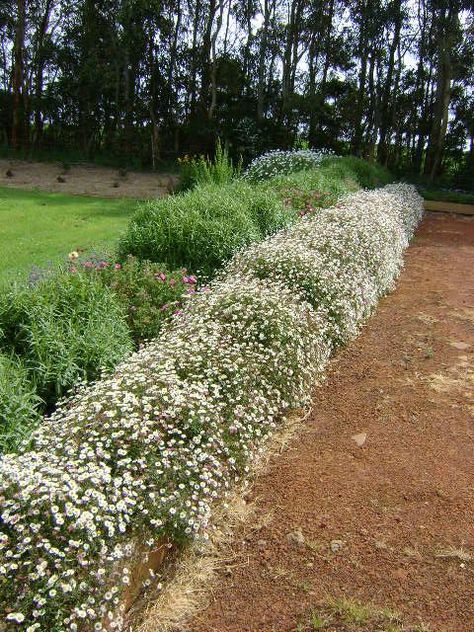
{"x": 144, "y": 453}
{"x": 282, "y": 162}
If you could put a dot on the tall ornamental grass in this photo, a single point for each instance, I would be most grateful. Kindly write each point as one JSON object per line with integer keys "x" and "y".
{"x": 199, "y": 170}
{"x": 143, "y": 454}
{"x": 202, "y": 228}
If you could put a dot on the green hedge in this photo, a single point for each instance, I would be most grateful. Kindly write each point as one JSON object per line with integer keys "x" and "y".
{"x": 369, "y": 175}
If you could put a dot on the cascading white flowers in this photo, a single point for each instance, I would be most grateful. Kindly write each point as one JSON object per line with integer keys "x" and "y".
{"x": 280, "y": 162}
{"x": 144, "y": 453}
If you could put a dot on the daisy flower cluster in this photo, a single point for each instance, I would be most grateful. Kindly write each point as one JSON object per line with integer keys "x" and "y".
{"x": 280, "y": 162}
{"x": 141, "y": 455}
{"x": 343, "y": 259}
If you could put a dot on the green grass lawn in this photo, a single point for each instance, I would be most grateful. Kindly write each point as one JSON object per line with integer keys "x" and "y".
{"x": 37, "y": 228}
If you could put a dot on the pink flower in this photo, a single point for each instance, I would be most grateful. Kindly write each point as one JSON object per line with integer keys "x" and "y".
{"x": 160, "y": 277}
{"x": 118, "y": 266}
{"x": 88, "y": 264}
{"x": 172, "y": 282}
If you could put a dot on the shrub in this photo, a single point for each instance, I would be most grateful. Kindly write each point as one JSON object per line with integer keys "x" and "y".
{"x": 18, "y": 403}
{"x": 143, "y": 454}
{"x": 306, "y": 191}
{"x": 66, "y": 328}
{"x": 202, "y": 228}
{"x": 195, "y": 171}
{"x": 149, "y": 293}
{"x": 280, "y": 163}
{"x": 369, "y": 175}
{"x": 311, "y": 189}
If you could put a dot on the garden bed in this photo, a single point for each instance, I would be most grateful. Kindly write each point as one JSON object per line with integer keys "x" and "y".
{"x": 145, "y": 453}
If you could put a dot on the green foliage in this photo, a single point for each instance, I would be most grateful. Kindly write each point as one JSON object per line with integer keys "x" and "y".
{"x": 309, "y": 189}
{"x": 65, "y": 328}
{"x": 195, "y": 171}
{"x": 148, "y": 291}
{"x": 369, "y": 175}
{"x": 445, "y": 195}
{"x": 202, "y": 228}
{"x": 18, "y": 403}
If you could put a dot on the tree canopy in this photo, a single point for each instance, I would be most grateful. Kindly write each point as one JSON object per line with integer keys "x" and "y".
{"x": 148, "y": 80}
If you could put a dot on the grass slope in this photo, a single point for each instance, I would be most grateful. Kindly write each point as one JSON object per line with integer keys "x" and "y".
{"x": 36, "y": 227}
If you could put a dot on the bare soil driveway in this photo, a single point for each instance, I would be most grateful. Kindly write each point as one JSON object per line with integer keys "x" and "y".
{"x": 368, "y": 518}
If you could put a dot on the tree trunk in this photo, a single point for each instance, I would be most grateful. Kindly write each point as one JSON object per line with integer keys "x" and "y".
{"x": 447, "y": 34}
{"x": 262, "y": 62}
{"x": 387, "y": 94}
{"x": 40, "y": 62}
{"x": 359, "y": 107}
{"x": 18, "y": 123}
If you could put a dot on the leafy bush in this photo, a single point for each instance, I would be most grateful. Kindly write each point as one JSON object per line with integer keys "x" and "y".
{"x": 195, "y": 171}
{"x": 369, "y": 175}
{"x": 142, "y": 455}
{"x": 280, "y": 163}
{"x": 311, "y": 189}
{"x": 148, "y": 291}
{"x": 306, "y": 191}
{"x": 202, "y": 228}
{"x": 66, "y": 328}
{"x": 18, "y": 403}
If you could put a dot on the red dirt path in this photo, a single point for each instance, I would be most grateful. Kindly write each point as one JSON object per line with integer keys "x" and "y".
{"x": 397, "y": 502}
